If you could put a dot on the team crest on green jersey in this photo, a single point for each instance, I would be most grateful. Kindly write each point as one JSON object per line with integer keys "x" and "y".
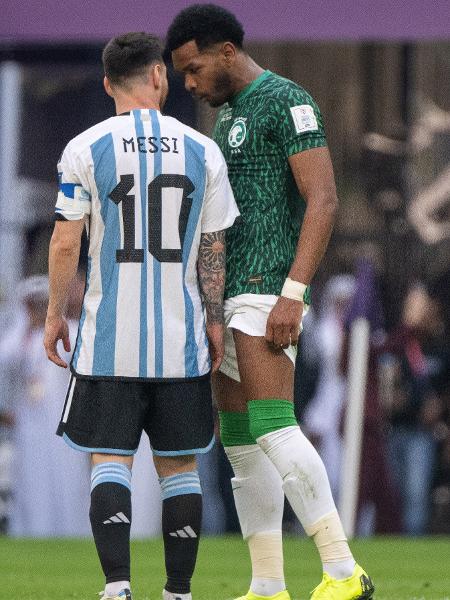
{"x": 237, "y": 133}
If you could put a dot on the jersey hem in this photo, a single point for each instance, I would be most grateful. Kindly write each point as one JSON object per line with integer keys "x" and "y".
{"x": 121, "y": 378}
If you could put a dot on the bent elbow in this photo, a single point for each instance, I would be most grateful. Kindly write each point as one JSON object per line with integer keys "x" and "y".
{"x": 332, "y": 210}
{"x": 329, "y": 205}
{"x": 333, "y": 204}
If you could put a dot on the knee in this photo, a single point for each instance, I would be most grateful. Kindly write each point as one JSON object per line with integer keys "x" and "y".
{"x": 245, "y": 459}
{"x": 173, "y": 465}
{"x": 98, "y": 459}
{"x": 235, "y": 429}
{"x": 268, "y": 416}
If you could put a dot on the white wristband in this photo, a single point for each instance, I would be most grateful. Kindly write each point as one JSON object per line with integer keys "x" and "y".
{"x": 293, "y": 289}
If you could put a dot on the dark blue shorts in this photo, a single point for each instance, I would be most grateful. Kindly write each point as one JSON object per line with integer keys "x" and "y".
{"x": 109, "y": 416}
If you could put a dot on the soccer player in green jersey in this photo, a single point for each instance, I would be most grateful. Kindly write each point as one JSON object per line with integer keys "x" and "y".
{"x": 271, "y": 133}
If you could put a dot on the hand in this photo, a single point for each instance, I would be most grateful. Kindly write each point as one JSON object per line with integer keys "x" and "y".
{"x": 56, "y": 328}
{"x": 215, "y": 333}
{"x": 283, "y": 324}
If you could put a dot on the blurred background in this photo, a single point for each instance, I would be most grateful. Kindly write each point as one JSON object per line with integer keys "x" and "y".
{"x": 373, "y": 369}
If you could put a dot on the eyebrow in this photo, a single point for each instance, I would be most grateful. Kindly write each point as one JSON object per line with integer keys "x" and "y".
{"x": 190, "y": 65}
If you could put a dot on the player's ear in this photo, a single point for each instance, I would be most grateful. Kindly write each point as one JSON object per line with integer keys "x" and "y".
{"x": 157, "y": 75}
{"x": 228, "y": 52}
{"x": 107, "y": 86}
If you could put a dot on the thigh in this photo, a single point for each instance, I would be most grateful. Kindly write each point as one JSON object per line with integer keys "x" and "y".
{"x": 227, "y": 393}
{"x": 103, "y": 416}
{"x": 264, "y": 371}
{"x": 180, "y": 418}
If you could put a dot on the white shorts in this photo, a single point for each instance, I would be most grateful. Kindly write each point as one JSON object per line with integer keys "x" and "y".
{"x": 248, "y": 313}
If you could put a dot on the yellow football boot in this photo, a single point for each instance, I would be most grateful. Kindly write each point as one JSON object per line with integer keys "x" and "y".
{"x": 251, "y": 596}
{"x": 123, "y": 595}
{"x": 357, "y": 587}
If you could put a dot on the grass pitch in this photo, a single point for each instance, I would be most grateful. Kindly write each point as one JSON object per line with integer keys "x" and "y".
{"x": 402, "y": 569}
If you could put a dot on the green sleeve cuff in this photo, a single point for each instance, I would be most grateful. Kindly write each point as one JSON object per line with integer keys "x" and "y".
{"x": 300, "y": 144}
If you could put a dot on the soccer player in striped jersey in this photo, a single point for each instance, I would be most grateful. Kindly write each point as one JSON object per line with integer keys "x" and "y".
{"x": 155, "y": 198}
{"x": 271, "y": 133}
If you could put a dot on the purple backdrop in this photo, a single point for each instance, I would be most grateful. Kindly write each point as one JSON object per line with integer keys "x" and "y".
{"x": 83, "y": 20}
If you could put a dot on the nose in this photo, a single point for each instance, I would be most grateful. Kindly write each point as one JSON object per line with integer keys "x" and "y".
{"x": 189, "y": 83}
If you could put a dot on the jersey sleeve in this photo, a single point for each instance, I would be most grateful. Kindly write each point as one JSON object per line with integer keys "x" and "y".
{"x": 220, "y": 209}
{"x": 74, "y": 199}
{"x": 296, "y": 122}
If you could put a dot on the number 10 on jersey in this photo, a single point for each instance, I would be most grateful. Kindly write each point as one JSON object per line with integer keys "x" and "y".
{"x": 129, "y": 253}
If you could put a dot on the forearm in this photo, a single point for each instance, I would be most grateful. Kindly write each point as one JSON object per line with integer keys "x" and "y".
{"x": 313, "y": 174}
{"x": 62, "y": 265}
{"x": 314, "y": 237}
{"x": 211, "y": 274}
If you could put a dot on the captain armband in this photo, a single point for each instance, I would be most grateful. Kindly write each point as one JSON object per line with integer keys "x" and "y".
{"x": 73, "y": 201}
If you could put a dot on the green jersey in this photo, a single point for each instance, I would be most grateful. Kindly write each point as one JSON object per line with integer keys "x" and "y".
{"x": 268, "y": 121}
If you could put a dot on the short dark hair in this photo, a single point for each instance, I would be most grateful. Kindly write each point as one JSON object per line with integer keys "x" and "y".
{"x": 206, "y": 24}
{"x": 127, "y": 55}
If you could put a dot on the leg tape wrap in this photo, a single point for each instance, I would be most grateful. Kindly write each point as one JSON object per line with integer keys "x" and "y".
{"x": 266, "y": 551}
{"x": 330, "y": 538}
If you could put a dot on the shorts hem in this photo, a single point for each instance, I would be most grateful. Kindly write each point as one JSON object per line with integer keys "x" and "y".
{"x": 185, "y": 452}
{"x": 76, "y": 446}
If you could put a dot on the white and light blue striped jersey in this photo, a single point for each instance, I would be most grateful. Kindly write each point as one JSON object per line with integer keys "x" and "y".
{"x": 149, "y": 186}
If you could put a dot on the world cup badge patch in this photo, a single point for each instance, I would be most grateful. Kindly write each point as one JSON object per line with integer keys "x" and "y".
{"x": 304, "y": 118}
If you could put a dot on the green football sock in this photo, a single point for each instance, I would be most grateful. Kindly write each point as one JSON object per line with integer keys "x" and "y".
{"x": 234, "y": 429}
{"x": 269, "y": 415}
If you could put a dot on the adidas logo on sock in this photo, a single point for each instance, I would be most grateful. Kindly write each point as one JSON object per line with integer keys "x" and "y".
{"x": 117, "y": 518}
{"x": 186, "y": 532}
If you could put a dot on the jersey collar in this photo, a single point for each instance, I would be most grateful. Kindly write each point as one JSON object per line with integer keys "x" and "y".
{"x": 249, "y": 88}
{"x": 129, "y": 112}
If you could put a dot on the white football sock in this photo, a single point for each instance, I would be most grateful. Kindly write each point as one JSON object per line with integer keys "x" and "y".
{"x": 114, "y": 588}
{"x": 306, "y": 485}
{"x": 340, "y": 570}
{"x": 172, "y": 596}
{"x": 259, "y": 499}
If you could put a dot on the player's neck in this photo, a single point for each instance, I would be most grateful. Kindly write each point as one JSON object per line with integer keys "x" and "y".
{"x": 245, "y": 73}
{"x": 126, "y": 103}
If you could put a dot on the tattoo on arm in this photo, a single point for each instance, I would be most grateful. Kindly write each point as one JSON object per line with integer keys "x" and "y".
{"x": 211, "y": 273}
